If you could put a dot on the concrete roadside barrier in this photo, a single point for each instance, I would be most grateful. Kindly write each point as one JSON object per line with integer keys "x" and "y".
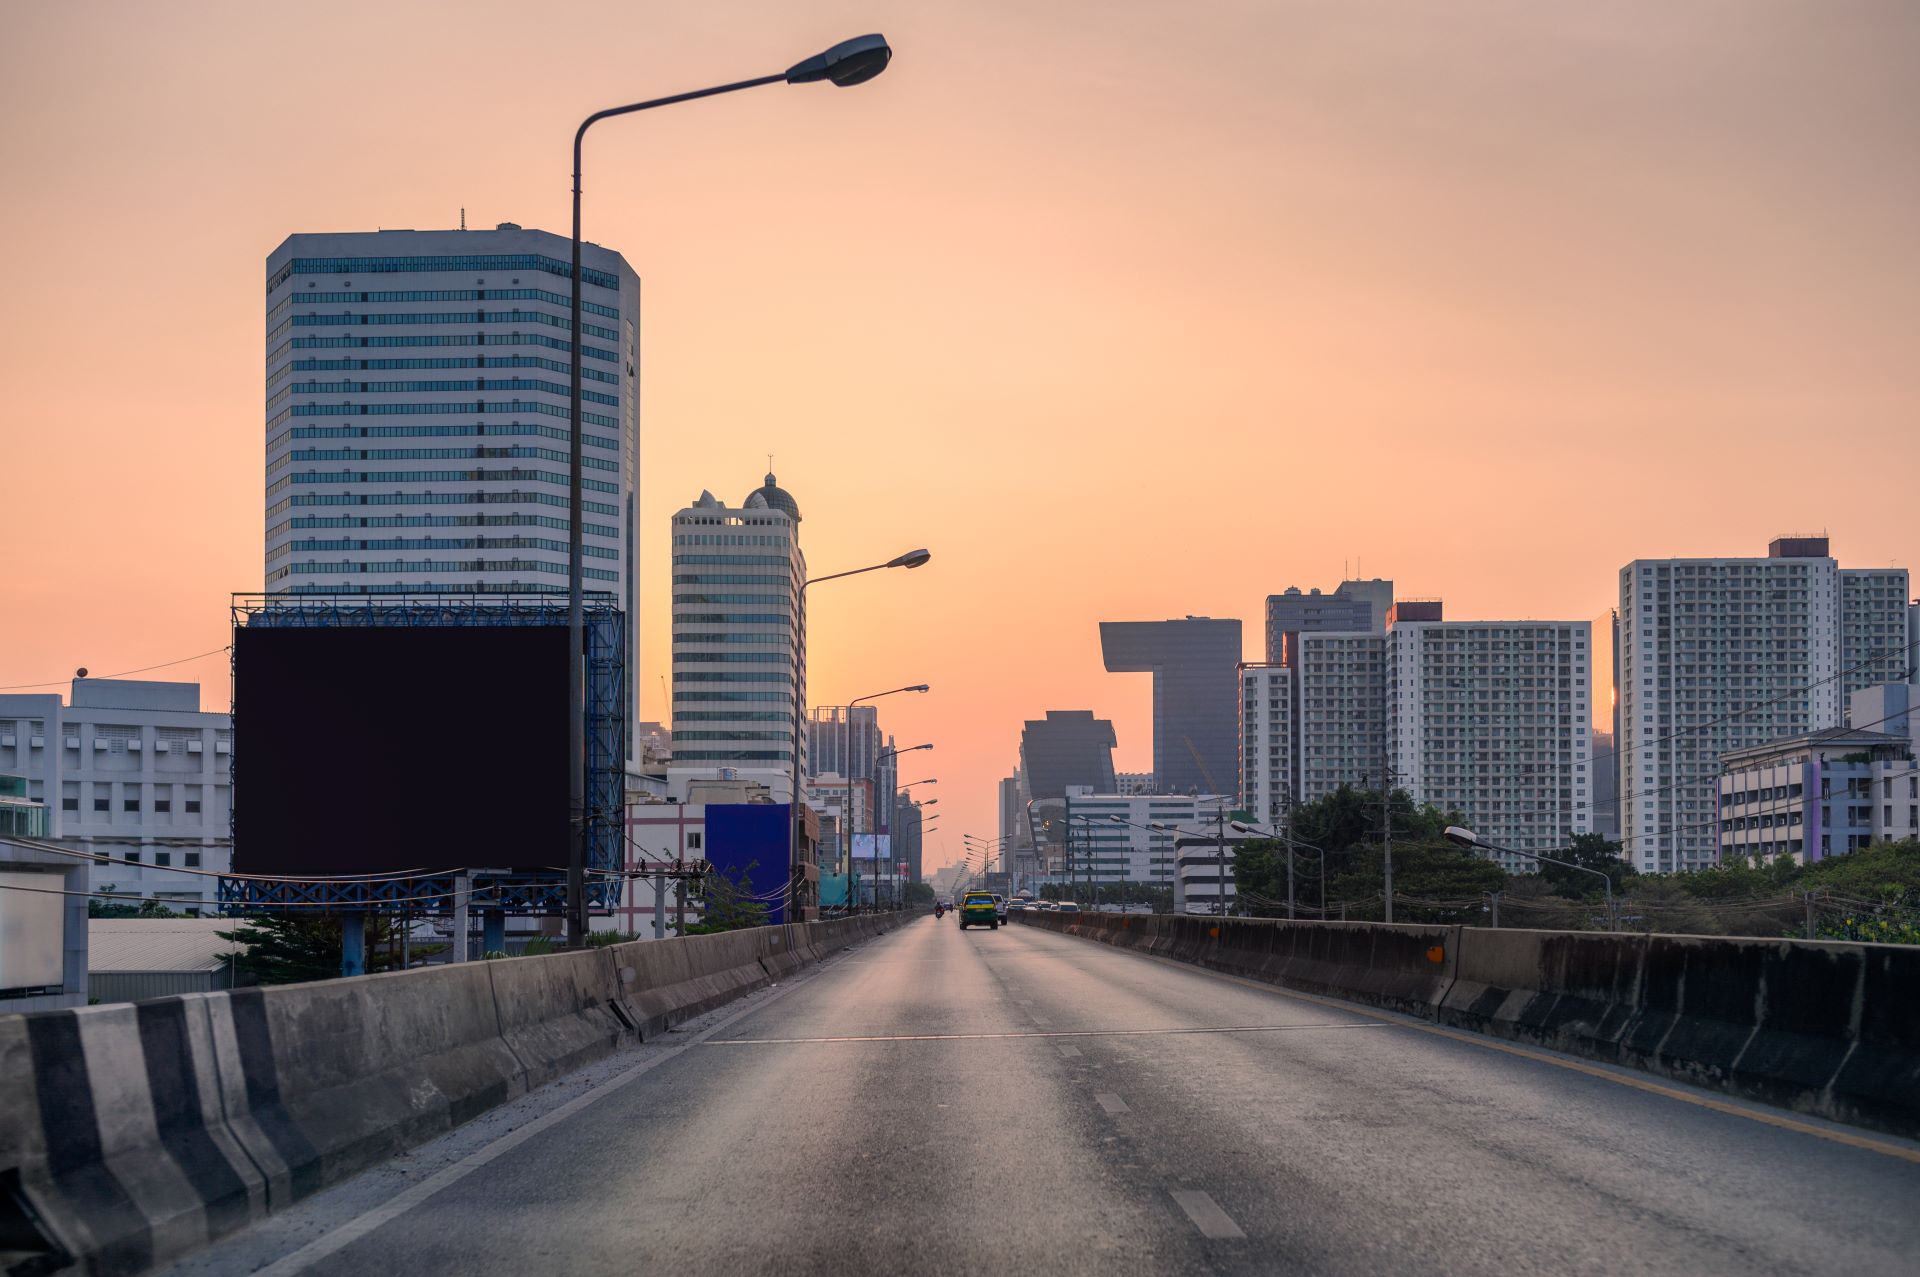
{"x": 1822, "y": 1028}
{"x": 116, "y": 1136}
{"x": 666, "y": 982}
{"x": 139, "y": 1132}
{"x": 559, "y": 1012}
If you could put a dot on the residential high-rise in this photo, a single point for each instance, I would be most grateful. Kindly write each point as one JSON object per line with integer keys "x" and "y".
{"x": 1719, "y": 655}
{"x": 1490, "y": 719}
{"x": 1354, "y": 607}
{"x": 1195, "y": 699}
{"x": 1130, "y": 850}
{"x": 418, "y": 406}
{"x": 739, "y": 639}
{"x": 1067, "y": 747}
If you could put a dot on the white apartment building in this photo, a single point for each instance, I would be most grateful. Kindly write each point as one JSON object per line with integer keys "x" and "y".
{"x": 1490, "y": 719}
{"x": 1267, "y": 777}
{"x": 1719, "y": 655}
{"x": 133, "y": 771}
{"x": 739, "y": 640}
{"x": 418, "y": 416}
{"x": 1113, "y": 837}
{"x": 1340, "y": 712}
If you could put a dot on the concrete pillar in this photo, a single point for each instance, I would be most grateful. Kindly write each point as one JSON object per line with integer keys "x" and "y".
{"x": 493, "y": 932}
{"x": 660, "y": 906}
{"x": 353, "y": 944}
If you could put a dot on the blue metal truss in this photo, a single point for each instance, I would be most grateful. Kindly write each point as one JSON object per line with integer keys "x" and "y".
{"x": 520, "y": 892}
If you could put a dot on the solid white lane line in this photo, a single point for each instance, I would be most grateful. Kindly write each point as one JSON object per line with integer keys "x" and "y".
{"x": 353, "y": 1230}
{"x": 1206, "y": 1214}
{"x": 1051, "y": 1033}
{"x": 1111, "y": 1102}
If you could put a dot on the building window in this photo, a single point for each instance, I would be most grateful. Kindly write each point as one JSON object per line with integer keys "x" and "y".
{"x": 193, "y": 860}
{"x": 103, "y": 804}
{"x": 69, "y": 804}
{"x": 193, "y": 806}
{"x": 130, "y": 804}
{"x": 163, "y": 858}
{"x": 163, "y": 804}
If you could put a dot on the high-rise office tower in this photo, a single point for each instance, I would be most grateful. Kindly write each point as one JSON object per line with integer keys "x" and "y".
{"x": 1067, "y": 747}
{"x": 1724, "y": 654}
{"x": 418, "y": 403}
{"x": 739, "y": 639}
{"x": 1195, "y": 696}
{"x": 1355, "y": 607}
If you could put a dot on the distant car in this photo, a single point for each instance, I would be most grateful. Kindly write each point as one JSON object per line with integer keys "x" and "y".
{"x": 977, "y": 908}
{"x": 1016, "y": 906}
{"x": 1000, "y": 908}
{"x": 1067, "y": 906}
{"x": 1043, "y": 906}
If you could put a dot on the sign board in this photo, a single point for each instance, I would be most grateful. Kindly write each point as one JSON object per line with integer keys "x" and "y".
{"x": 873, "y": 846}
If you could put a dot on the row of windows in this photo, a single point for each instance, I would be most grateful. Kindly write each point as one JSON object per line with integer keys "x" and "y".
{"x": 730, "y": 716}
{"x": 446, "y": 543}
{"x": 556, "y": 388}
{"x": 744, "y": 560}
{"x": 442, "y": 339}
{"x": 509, "y": 453}
{"x": 457, "y": 295}
{"x": 730, "y": 618}
{"x": 728, "y": 538}
{"x": 440, "y": 521}
{"x": 710, "y": 599}
{"x": 713, "y": 578}
{"x": 756, "y": 638}
{"x": 451, "y": 317}
{"x": 345, "y": 266}
{"x": 427, "y": 565}
{"x": 729, "y": 676}
{"x": 679, "y": 736}
{"x": 477, "y": 430}
{"x": 442, "y": 476}
{"x": 163, "y": 806}
{"x": 449, "y": 362}
{"x": 477, "y": 588}
{"x": 431, "y": 409}
{"x": 704, "y": 696}
{"x": 435, "y": 498}
{"x": 738, "y": 658}
{"x": 729, "y": 755}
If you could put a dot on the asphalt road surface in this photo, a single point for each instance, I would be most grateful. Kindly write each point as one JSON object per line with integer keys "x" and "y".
{"x": 1020, "y": 1101}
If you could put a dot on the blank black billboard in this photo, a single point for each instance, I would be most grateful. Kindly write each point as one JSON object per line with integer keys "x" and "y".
{"x": 361, "y": 750}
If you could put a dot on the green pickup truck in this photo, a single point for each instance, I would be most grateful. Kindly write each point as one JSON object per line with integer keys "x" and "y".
{"x": 978, "y": 907}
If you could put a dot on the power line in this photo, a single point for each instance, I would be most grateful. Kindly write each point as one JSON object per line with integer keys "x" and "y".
{"x": 55, "y": 682}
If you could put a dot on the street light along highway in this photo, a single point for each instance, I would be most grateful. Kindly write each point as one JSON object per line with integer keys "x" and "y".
{"x": 846, "y": 64}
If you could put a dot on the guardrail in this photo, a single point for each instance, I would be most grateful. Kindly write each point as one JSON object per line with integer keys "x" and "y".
{"x": 132, "y": 1134}
{"x": 1821, "y": 1027}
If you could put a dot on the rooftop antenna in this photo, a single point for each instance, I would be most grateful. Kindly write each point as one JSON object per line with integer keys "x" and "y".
{"x": 463, "y": 219}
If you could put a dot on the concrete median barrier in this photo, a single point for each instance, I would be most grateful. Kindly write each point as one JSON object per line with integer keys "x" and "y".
{"x": 560, "y": 1012}
{"x": 666, "y": 982}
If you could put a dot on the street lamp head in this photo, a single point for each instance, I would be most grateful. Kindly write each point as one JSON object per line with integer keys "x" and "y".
{"x": 920, "y": 687}
{"x": 911, "y": 559}
{"x": 846, "y": 64}
{"x": 1460, "y": 836}
{"x": 1240, "y": 826}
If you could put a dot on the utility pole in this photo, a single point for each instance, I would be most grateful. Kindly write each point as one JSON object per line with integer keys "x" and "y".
{"x": 1810, "y": 916}
{"x": 1493, "y": 898}
{"x": 1386, "y": 836}
{"x": 1220, "y": 850}
{"x": 1286, "y": 834}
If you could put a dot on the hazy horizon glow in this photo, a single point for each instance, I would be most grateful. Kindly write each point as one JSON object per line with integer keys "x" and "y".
{"x": 1126, "y": 311}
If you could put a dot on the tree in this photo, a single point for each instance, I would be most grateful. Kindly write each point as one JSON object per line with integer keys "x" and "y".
{"x": 1589, "y": 851}
{"x": 730, "y": 903}
{"x": 919, "y": 894}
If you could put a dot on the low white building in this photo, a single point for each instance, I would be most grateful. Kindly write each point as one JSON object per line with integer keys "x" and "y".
{"x": 132, "y": 771}
{"x": 1826, "y": 793}
{"x": 1129, "y": 838}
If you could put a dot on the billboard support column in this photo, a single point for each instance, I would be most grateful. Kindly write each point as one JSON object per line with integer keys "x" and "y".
{"x": 353, "y": 944}
{"x": 460, "y": 918}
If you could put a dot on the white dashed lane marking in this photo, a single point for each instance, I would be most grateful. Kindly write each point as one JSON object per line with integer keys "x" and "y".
{"x": 1069, "y": 1052}
{"x": 1111, "y": 1102}
{"x": 1206, "y": 1214}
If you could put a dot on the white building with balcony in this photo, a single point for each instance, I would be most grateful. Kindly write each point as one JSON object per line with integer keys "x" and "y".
{"x": 132, "y": 771}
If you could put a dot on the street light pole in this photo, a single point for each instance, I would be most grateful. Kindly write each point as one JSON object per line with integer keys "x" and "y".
{"x": 848, "y": 63}
{"x": 1463, "y": 837}
{"x": 911, "y": 559}
{"x": 847, "y": 758}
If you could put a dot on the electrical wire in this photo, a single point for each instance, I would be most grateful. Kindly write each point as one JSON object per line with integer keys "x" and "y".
{"x": 55, "y": 682}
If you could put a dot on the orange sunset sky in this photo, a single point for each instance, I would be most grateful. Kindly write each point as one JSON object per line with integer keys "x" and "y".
{"x": 1126, "y": 310}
